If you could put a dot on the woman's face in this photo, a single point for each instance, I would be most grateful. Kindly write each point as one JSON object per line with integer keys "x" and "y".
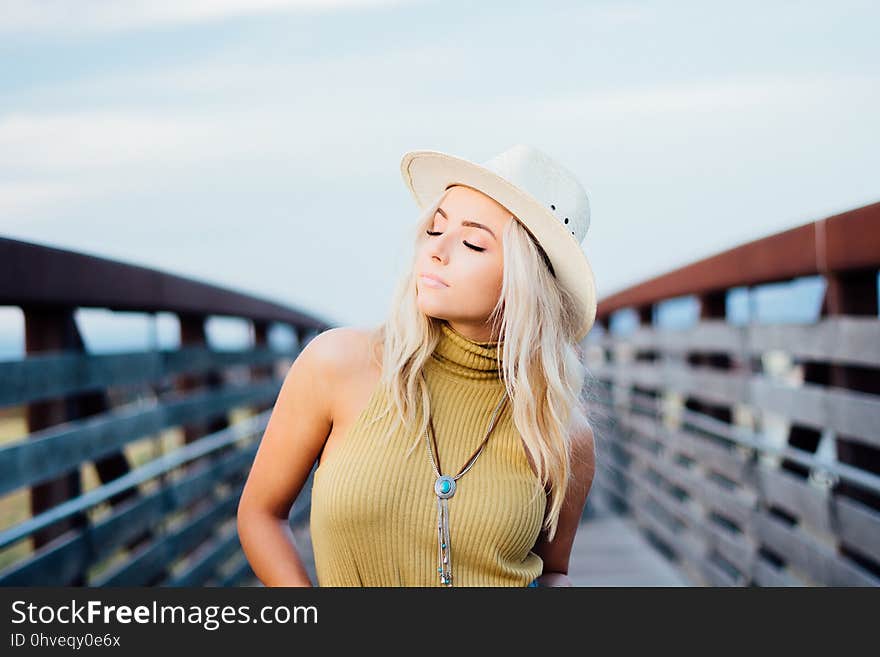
{"x": 472, "y": 277}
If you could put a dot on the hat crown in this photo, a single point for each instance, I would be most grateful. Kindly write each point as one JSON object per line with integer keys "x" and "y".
{"x": 550, "y": 183}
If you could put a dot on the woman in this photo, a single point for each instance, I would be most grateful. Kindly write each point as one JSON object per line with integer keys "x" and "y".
{"x": 453, "y": 446}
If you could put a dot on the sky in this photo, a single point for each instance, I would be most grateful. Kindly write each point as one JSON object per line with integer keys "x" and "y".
{"x": 255, "y": 144}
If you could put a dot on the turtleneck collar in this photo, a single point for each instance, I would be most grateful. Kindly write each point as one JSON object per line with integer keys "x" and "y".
{"x": 465, "y": 357}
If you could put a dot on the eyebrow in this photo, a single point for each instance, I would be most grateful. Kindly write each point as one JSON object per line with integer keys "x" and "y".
{"x": 472, "y": 224}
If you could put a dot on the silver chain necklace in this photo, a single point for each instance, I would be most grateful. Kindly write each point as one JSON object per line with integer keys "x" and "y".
{"x": 444, "y": 487}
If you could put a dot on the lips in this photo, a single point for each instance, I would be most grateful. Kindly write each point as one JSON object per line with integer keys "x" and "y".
{"x": 434, "y": 278}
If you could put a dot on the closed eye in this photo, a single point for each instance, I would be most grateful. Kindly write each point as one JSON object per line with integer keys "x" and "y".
{"x": 475, "y": 248}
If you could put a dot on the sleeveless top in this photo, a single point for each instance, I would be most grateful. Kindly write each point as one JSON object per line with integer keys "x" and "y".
{"x": 373, "y": 518}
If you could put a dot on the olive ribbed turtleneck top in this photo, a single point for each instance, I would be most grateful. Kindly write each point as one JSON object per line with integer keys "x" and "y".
{"x": 374, "y": 511}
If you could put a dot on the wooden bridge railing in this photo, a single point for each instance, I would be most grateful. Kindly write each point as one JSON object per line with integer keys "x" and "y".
{"x": 169, "y": 520}
{"x": 750, "y": 453}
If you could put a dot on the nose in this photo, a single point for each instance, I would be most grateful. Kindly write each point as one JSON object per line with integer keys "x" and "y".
{"x": 438, "y": 248}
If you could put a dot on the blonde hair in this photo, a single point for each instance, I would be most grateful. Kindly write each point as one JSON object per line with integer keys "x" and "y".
{"x": 541, "y": 365}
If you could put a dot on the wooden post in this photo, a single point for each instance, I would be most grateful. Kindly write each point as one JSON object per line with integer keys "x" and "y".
{"x": 192, "y": 334}
{"x": 261, "y": 339}
{"x": 713, "y": 305}
{"x": 852, "y": 293}
{"x": 50, "y": 329}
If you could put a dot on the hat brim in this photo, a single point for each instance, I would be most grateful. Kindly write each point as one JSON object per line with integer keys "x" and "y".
{"x": 428, "y": 174}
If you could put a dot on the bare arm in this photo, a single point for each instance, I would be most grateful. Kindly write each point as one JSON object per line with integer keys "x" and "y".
{"x": 295, "y": 435}
{"x": 556, "y": 553}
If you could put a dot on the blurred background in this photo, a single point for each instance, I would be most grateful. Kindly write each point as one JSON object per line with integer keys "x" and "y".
{"x": 190, "y": 191}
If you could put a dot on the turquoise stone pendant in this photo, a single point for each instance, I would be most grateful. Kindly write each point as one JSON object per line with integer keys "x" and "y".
{"x": 444, "y": 486}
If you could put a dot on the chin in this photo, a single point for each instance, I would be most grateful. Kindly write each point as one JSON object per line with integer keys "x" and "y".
{"x": 430, "y": 309}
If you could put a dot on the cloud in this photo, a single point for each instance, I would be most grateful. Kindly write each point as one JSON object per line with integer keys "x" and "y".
{"x": 58, "y": 158}
{"x": 82, "y": 140}
{"x": 701, "y": 97}
{"x": 87, "y": 141}
{"x": 55, "y": 157}
{"x": 108, "y": 138}
{"x": 28, "y": 196}
{"x": 55, "y": 16}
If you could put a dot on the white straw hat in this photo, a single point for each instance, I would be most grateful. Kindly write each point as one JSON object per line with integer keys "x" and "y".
{"x": 542, "y": 194}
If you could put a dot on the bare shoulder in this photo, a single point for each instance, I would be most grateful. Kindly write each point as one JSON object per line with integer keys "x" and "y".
{"x": 584, "y": 448}
{"x": 341, "y": 352}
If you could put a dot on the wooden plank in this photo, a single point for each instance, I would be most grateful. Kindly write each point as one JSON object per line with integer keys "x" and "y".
{"x": 850, "y": 413}
{"x": 803, "y": 552}
{"x": 141, "y": 567}
{"x": 756, "y": 441}
{"x": 843, "y": 339}
{"x": 716, "y": 575}
{"x": 715, "y": 336}
{"x": 62, "y": 374}
{"x": 738, "y": 549}
{"x": 673, "y": 540}
{"x": 858, "y": 526}
{"x": 685, "y": 511}
{"x": 56, "y": 564}
{"x": 708, "y": 336}
{"x": 239, "y": 574}
{"x": 201, "y": 360}
{"x": 679, "y": 477}
{"x": 81, "y": 550}
{"x": 715, "y": 386}
{"x": 645, "y": 375}
{"x": 239, "y": 459}
{"x": 711, "y": 385}
{"x": 796, "y": 496}
{"x": 766, "y": 574}
{"x": 115, "y": 530}
{"x": 615, "y": 493}
{"x": 735, "y": 504}
{"x": 64, "y": 447}
{"x": 617, "y": 481}
{"x": 643, "y": 338}
{"x": 644, "y": 424}
{"x": 730, "y": 460}
{"x": 205, "y": 564}
{"x": 684, "y": 539}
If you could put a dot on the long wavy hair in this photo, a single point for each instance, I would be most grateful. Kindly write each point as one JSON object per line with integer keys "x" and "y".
{"x": 542, "y": 365}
